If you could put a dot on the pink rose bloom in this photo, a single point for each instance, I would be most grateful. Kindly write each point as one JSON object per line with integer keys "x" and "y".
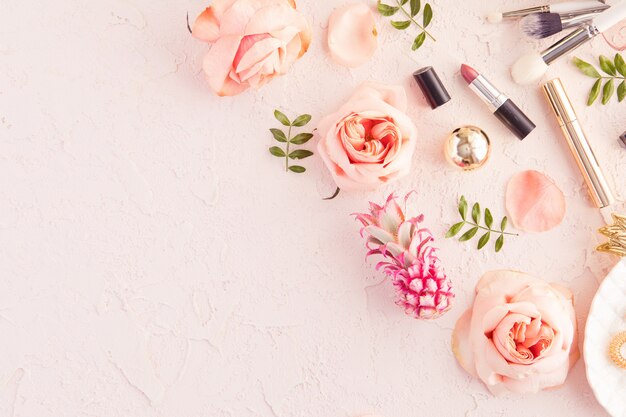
{"x": 252, "y": 42}
{"x": 520, "y": 335}
{"x": 370, "y": 140}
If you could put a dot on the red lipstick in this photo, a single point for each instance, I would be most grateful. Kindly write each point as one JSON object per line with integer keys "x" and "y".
{"x": 469, "y": 73}
{"x": 501, "y": 106}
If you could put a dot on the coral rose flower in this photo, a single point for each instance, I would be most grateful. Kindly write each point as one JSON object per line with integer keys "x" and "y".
{"x": 252, "y": 41}
{"x": 520, "y": 335}
{"x": 369, "y": 141}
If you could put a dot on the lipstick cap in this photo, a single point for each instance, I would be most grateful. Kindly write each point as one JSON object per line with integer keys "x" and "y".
{"x": 432, "y": 87}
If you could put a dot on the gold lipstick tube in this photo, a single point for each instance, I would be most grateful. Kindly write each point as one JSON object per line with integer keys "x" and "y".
{"x": 579, "y": 146}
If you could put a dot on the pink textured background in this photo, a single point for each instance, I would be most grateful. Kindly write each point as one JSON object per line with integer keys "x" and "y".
{"x": 155, "y": 260}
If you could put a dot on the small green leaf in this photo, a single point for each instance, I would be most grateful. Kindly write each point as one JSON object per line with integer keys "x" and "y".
{"x": 403, "y": 2}
{"x": 276, "y": 151}
{"x": 302, "y": 120}
{"x": 386, "y": 10}
{"x": 484, "y": 239}
{"x": 607, "y": 91}
{"x": 415, "y": 7}
{"x": 401, "y": 25}
{"x": 488, "y": 218}
{"x": 503, "y": 223}
{"x": 297, "y": 168}
{"x": 499, "y": 243}
{"x": 419, "y": 41}
{"x": 476, "y": 212}
{"x": 301, "y": 138}
{"x": 300, "y": 154}
{"x": 607, "y": 65}
{"x": 428, "y": 14}
{"x": 281, "y": 118}
{"x": 621, "y": 91}
{"x": 586, "y": 68}
{"x": 594, "y": 93}
{"x": 469, "y": 234}
{"x": 620, "y": 65}
{"x": 279, "y": 135}
{"x": 455, "y": 229}
{"x": 463, "y": 207}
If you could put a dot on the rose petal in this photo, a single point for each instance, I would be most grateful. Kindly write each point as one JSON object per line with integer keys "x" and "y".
{"x": 460, "y": 343}
{"x": 217, "y": 66}
{"x": 534, "y": 202}
{"x": 207, "y": 24}
{"x": 352, "y": 36}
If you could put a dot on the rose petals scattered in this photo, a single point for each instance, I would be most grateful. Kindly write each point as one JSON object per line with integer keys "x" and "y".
{"x": 352, "y": 36}
{"x": 534, "y": 202}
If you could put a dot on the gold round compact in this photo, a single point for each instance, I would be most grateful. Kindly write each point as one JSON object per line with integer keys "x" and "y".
{"x": 468, "y": 148}
{"x": 615, "y": 349}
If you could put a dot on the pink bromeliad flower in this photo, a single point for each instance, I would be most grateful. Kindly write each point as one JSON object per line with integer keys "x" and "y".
{"x": 422, "y": 286}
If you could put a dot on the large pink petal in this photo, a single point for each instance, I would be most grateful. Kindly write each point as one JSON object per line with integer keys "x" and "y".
{"x": 461, "y": 346}
{"x": 534, "y": 202}
{"x": 217, "y": 66}
{"x": 253, "y": 50}
{"x": 274, "y": 19}
{"x": 394, "y": 95}
{"x": 352, "y": 36}
{"x": 207, "y": 25}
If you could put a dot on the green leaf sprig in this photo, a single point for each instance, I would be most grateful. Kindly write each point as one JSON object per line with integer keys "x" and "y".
{"x": 615, "y": 71}
{"x": 287, "y": 139}
{"x": 414, "y": 8}
{"x": 475, "y": 223}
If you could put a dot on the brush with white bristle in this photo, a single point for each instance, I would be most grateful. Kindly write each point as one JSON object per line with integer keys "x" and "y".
{"x": 543, "y": 25}
{"x": 569, "y": 8}
{"x": 531, "y": 67}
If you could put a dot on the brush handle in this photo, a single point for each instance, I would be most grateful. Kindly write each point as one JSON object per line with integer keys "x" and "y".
{"x": 569, "y": 43}
{"x": 576, "y": 7}
{"x": 610, "y": 17}
{"x": 569, "y": 22}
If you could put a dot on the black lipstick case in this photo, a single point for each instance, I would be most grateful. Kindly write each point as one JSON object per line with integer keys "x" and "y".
{"x": 515, "y": 119}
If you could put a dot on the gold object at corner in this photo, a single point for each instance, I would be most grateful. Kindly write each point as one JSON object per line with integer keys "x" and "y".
{"x": 616, "y": 233}
{"x": 615, "y": 350}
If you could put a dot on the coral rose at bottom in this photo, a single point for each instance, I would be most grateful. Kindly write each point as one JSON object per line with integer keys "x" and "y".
{"x": 519, "y": 336}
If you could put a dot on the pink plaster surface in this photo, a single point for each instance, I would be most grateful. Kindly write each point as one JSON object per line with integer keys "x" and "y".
{"x": 156, "y": 261}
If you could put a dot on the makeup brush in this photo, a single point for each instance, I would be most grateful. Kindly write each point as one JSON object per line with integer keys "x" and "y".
{"x": 570, "y": 8}
{"x": 543, "y": 25}
{"x": 531, "y": 67}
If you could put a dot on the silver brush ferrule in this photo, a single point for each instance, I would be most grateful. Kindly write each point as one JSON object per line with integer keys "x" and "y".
{"x": 525, "y": 12}
{"x": 569, "y": 43}
{"x": 573, "y": 21}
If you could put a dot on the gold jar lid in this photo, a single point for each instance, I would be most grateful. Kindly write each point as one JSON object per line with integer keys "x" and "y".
{"x": 468, "y": 147}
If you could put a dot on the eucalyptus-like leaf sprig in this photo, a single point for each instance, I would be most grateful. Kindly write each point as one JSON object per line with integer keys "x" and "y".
{"x": 475, "y": 223}
{"x": 287, "y": 139}
{"x": 615, "y": 70}
{"x": 414, "y": 8}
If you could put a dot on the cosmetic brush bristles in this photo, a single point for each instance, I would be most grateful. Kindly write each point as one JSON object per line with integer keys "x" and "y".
{"x": 541, "y": 25}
